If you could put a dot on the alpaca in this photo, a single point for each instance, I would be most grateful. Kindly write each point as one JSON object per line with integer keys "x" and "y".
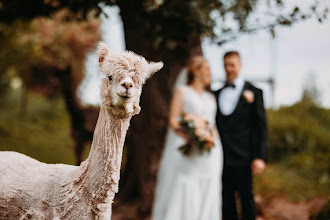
{"x": 30, "y": 189}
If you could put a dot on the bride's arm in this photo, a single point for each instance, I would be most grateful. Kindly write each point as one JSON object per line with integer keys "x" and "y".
{"x": 175, "y": 110}
{"x": 175, "y": 113}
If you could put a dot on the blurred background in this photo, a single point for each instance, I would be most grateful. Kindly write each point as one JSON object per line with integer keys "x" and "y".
{"x": 49, "y": 86}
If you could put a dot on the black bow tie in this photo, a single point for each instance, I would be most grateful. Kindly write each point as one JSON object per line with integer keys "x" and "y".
{"x": 228, "y": 84}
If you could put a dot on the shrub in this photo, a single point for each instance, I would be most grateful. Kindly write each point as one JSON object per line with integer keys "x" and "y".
{"x": 299, "y": 135}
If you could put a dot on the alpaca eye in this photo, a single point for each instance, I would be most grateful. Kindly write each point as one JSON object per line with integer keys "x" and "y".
{"x": 110, "y": 78}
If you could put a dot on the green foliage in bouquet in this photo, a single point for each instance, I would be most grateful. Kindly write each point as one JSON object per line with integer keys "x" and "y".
{"x": 197, "y": 142}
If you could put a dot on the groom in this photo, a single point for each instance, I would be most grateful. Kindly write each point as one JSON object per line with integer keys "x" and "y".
{"x": 242, "y": 126}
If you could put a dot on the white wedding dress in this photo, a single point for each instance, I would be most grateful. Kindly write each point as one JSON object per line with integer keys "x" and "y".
{"x": 189, "y": 187}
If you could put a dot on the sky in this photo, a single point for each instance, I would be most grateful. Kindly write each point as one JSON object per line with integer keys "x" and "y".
{"x": 297, "y": 54}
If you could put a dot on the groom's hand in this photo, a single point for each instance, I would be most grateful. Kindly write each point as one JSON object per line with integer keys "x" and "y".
{"x": 258, "y": 166}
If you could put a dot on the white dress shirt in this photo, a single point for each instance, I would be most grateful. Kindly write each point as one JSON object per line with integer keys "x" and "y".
{"x": 229, "y": 96}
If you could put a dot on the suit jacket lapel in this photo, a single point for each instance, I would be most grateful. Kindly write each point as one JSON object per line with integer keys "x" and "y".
{"x": 241, "y": 97}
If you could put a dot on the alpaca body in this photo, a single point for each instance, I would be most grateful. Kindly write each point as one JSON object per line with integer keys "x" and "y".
{"x": 58, "y": 191}
{"x": 36, "y": 185}
{"x": 30, "y": 189}
{"x": 47, "y": 192}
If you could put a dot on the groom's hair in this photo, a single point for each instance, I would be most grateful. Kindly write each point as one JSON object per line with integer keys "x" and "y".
{"x": 231, "y": 54}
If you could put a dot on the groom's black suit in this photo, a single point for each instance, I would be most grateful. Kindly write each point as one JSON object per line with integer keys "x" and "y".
{"x": 244, "y": 138}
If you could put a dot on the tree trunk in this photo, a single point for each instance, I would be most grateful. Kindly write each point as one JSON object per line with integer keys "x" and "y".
{"x": 145, "y": 138}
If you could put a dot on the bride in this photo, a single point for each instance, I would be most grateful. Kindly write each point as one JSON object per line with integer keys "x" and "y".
{"x": 189, "y": 187}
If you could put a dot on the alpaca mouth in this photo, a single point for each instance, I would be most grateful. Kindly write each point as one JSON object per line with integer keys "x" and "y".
{"x": 125, "y": 97}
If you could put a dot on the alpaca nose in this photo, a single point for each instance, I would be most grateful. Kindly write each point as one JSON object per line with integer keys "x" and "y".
{"x": 127, "y": 84}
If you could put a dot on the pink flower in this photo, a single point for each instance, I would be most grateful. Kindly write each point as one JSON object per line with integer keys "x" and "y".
{"x": 249, "y": 96}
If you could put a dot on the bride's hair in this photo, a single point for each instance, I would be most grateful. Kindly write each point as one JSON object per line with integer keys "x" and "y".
{"x": 195, "y": 63}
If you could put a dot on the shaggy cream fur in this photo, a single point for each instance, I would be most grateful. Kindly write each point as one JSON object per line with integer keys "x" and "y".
{"x": 30, "y": 189}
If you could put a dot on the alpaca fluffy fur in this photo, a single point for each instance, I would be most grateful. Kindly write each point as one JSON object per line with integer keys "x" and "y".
{"x": 30, "y": 189}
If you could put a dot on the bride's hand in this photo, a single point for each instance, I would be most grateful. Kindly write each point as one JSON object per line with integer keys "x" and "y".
{"x": 178, "y": 130}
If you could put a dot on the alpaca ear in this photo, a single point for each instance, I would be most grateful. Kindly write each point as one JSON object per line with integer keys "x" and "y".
{"x": 103, "y": 51}
{"x": 153, "y": 67}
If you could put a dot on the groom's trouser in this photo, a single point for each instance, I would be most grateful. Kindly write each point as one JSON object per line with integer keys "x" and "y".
{"x": 237, "y": 180}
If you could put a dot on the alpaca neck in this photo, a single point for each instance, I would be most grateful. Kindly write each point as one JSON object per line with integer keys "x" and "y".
{"x": 104, "y": 161}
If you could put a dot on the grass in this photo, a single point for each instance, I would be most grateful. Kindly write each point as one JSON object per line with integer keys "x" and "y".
{"x": 297, "y": 185}
{"x": 43, "y": 133}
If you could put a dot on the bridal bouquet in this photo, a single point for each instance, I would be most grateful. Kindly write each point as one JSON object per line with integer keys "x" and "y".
{"x": 199, "y": 132}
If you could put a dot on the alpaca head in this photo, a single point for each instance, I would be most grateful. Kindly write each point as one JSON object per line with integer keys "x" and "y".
{"x": 125, "y": 73}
